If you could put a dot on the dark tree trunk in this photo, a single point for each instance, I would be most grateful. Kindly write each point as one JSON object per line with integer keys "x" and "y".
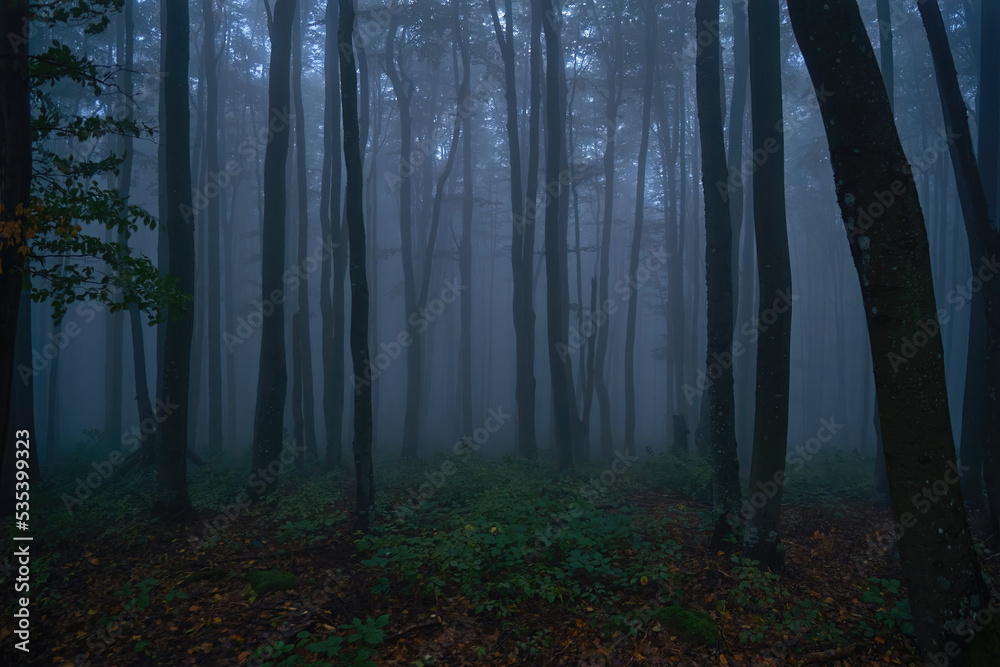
{"x": 163, "y": 207}
{"x": 302, "y": 348}
{"x": 774, "y": 274}
{"x": 888, "y": 240}
{"x": 718, "y": 275}
{"x": 649, "y": 69}
{"x": 272, "y": 378}
{"x": 555, "y": 234}
{"x": 523, "y": 210}
{"x": 982, "y": 246}
{"x": 332, "y": 304}
{"x": 885, "y": 46}
{"x": 614, "y": 97}
{"x": 359, "y": 279}
{"x": 213, "y": 230}
{"x": 172, "y": 496}
{"x": 465, "y": 247}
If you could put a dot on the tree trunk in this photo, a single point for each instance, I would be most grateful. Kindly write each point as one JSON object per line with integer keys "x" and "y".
{"x": 303, "y": 346}
{"x": 359, "y": 279}
{"x": 523, "y": 212}
{"x": 649, "y": 69}
{"x": 332, "y": 304}
{"x": 718, "y": 274}
{"x": 172, "y": 496}
{"x": 555, "y": 247}
{"x": 888, "y": 240}
{"x": 983, "y": 244}
{"x": 213, "y": 229}
{"x": 272, "y": 378}
{"x": 465, "y": 247}
{"x": 885, "y": 46}
{"x": 774, "y": 274}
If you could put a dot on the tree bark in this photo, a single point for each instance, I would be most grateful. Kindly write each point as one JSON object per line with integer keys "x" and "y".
{"x": 719, "y": 283}
{"x": 774, "y": 273}
{"x": 649, "y": 69}
{"x": 359, "y": 279}
{"x": 272, "y": 378}
{"x": 172, "y": 498}
{"x": 888, "y": 239}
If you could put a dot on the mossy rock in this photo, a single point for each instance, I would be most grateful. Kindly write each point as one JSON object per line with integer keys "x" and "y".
{"x": 266, "y": 581}
{"x": 693, "y": 627}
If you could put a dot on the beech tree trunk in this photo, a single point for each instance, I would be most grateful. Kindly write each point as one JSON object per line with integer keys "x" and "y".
{"x": 359, "y": 280}
{"x": 272, "y": 377}
{"x": 774, "y": 273}
{"x": 172, "y": 498}
{"x": 888, "y": 240}
{"x": 719, "y": 282}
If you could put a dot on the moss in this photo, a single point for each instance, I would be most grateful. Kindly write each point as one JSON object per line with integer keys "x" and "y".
{"x": 693, "y": 627}
{"x": 266, "y": 581}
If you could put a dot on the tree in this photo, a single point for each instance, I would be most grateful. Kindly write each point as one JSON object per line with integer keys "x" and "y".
{"x": 718, "y": 276}
{"x": 983, "y": 244}
{"x": 172, "y": 481}
{"x": 614, "y": 63}
{"x": 888, "y": 242}
{"x": 649, "y": 69}
{"x": 332, "y": 304}
{"x": 359, "y": 280}
{"x": 272, "y": 378}
{"x": 465, "y": 247}
{"x": 523, "y": 212}
{"x": 774, "y": 274}
{"x": 302, "y": 372}
{"x": 213, "y": 226}
{"x": 556, "y": 276}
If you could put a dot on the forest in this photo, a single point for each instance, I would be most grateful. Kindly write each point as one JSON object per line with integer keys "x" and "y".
{"x": 500, "y": 332}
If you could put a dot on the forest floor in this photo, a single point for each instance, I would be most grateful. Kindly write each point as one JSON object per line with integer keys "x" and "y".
{"x": 502, "y": 564}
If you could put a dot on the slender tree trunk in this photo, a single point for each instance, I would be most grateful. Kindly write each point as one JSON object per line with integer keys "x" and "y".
{"x": 465, "y": 247}
{"x": 403, "y": 88}
{"x": 649, "y": 69}
{"x": 213, "y": 229}
{"x": 359, "y": 280}
{"x": 613, "y": 97}
{"x": 718, "y": 273}
{"x": 332, "y": 304}
{"x": 172, "y": 495}
{"x": 983, "y": 244}
{"x": 272, "y": 379}
{"x": 304, "y": 344}
{"x": 892, "y": 259}
{"x": 774, "y": 274}
{"x": 523, "y": 212}
{"x": 555, "y": 247}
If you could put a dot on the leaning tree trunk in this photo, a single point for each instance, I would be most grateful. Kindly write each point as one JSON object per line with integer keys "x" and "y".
{"x": 982, "y": 248}
{"x": 555, "y": 252}
{"x": 272, "y": 377}
{"x": 649, "y": 69}
{"x": 888, "y": 240}
{"x": 719, "y": 282}
{"x": 172, "y": 499}
{"x": 359, "y": 279}
{"x": 774, "y": 275}
{"x": 332, "y": 304}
